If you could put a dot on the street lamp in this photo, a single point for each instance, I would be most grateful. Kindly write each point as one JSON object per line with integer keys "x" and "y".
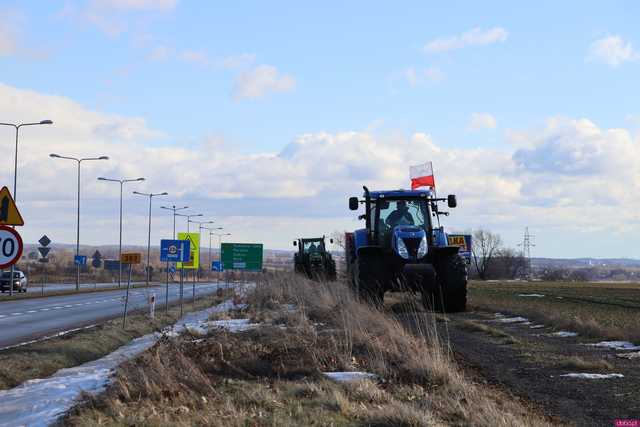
{"x": 15, "y": 169}
{"x": 174, "y": 210}
{"x": 122, "y": 182}
{"x": 220, "y": 235}
{"x": 200, "y": 228}
{"x": 150, "y": 196}
{"x": 189, "y": 218}
{"x": 79, "y": 161}
{"x": 211, "y": 233}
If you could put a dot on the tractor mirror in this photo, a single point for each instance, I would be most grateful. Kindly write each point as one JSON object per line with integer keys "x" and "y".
{"x": 295, "y": 243}
{"x": 331, "y": 241}
{"x": 383, "y": 204}
{"x": 451, "y": 201}
{"x": 353, "y": 203}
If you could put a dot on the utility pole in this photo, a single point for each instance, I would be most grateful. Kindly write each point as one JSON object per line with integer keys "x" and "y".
{"x": 527, "y": 243}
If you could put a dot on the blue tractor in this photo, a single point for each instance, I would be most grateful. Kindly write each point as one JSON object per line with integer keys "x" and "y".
{"x": 400, "y": 249}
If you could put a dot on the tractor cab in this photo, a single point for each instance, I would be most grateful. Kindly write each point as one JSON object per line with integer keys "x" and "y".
{"x": 313, "y": 259}
{"x": 403, "y": 247}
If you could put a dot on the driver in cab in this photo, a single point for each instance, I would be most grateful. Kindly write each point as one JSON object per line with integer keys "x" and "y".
{"x": 400, "y": 216}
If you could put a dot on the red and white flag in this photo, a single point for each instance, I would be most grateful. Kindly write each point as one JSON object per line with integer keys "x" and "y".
{"x": 422, "y": 176}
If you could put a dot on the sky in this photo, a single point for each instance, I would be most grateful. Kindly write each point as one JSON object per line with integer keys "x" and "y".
{"x": 265, "y": 117}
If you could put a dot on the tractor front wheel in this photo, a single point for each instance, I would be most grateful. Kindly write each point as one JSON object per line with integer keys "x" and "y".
{"x": 451, "y": 295}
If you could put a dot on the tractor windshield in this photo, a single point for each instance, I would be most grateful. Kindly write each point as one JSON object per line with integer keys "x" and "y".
{"x": 401, "y": 212}
{"x": 312, "y": 246}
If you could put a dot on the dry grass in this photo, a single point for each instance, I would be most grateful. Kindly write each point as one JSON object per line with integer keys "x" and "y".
{"x": 272, "y": 375}
{"x": 597, "y": 310}
{"x": 44, "y": 358}
{"x": 474, "y": 326}
{"x": 580, "y": 364}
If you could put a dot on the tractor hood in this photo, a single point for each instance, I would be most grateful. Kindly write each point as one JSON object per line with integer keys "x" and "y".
{"x": 409, "y": 242}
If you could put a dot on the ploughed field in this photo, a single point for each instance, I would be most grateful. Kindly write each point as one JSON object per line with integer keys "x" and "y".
{"x": 570, "y": 349}
{"x": 605, "y": 310}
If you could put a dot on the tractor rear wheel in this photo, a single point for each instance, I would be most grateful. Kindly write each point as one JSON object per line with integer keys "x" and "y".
{"x": 367, "y": 279}
{"x": 451, "y": 295}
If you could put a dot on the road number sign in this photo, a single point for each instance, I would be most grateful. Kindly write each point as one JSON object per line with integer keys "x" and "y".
{"x": 463, "y": 241}
{"x": 131, "y": 258}
{"x": 80, "y": 260}
{"x": 10, "y": 246}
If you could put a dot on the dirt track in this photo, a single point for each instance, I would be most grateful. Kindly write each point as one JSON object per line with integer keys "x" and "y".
{"x": 529, "y": 363}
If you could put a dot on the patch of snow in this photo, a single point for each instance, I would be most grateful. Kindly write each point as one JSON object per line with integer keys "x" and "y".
{"x": 629, "y": 356}
{"x": 233, "y": 325}
{"x": 40, "y": 402}
{"x": 498, "y": 314}
{"x": 559, "y": 298}
{"x": 536, "y": 326}
{"x": 563, "y": 334}
{"x": 617, "y": 345}
{"x": 527, "y": 323}
{"x": 342, "y": 377}
{"x": 532, "y": 295}
{"x": 511, "y": 320}
{"x": 589, "y": 376}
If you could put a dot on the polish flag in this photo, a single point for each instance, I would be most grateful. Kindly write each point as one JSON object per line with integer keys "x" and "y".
{"x": 422, "y": 176}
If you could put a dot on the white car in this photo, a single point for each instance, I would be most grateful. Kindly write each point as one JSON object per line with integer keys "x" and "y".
{"x": 19, "y": 281}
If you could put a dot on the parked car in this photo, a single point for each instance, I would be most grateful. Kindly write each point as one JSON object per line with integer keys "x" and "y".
{"x": 19, "y": 281}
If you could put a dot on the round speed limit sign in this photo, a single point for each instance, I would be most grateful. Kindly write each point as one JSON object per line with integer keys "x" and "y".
{"x": 10, "y": 246}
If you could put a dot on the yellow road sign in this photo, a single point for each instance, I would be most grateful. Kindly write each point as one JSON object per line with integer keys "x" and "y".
{"x": 9, "y": 214}
{"x": 194, "y": 247}
{"x": 131, "y": 258}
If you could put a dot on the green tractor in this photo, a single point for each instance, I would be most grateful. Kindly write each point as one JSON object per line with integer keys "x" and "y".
{"x": 313, "y": 260}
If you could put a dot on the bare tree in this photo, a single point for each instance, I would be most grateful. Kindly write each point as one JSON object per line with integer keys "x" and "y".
{"x": 338, "y": 238}
{"x": 512, "y": 263}
{"x": 485, "y": 246}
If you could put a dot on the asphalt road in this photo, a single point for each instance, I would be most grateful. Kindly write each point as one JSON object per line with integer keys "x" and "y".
{"x": 33, "y": 318}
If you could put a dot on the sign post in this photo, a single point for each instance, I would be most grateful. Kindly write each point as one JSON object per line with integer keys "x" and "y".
{"x": 128, "y": 258}
{"x": 44, "y": 251}
{"x": 174, "y": 251}
{"x": 192, "y": 264}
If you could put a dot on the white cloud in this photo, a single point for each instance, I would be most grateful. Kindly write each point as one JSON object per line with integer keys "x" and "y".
{"x": 473, "y": 37}
{"x": 482, "y": 121}
{"x": 160, "y": 53}
{"x": 260, "y": 81}
{"x": 241, "y": 60}
{"x": 140, "y": 5}
{"x": 570, "y": 176}
{"x": 417, "y": 77}
{"x": 195, "y": 57}
{"x": 612, "y": 50}
{"x": 7, "y": 39}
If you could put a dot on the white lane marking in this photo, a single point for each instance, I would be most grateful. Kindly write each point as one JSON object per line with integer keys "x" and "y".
{"x": 68, "y": 306}
{"x": 57, "y": 308}
{"x": 31, "y": 311}
{"x": 2, "y": 315}
{"x": 16, "y": 314}
{"x": 45, "y": 309}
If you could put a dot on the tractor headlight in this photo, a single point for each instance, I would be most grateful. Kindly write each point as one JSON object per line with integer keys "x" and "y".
{"x": 402, "y": 248}
{"x": 422, "y": 249}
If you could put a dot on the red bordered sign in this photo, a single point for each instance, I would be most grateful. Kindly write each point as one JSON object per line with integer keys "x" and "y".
{"x": 10, "y": 246}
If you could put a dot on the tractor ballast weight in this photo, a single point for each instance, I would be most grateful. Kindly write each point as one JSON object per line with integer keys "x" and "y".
{"x": 313, "y": 260}
{"x": 400, "y": 250}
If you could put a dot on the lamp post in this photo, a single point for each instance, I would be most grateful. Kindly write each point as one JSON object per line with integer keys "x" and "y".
{"x": 211, "y": 233}
{"x": 220, "y": 235}
{"x": 17, "y": 127}
{"x": 200, "y": 228}
{"x": 189, "y": 216}
{"x": 174, "y": 210}
{"x": 122, "y": 182}
{"x": 79, "y": 162}
{"x": 150, "y": 196}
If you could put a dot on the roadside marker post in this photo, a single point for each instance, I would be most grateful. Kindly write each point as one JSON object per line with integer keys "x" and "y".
{"x": 128, "y": 258}
{"x": 152, "y": 305}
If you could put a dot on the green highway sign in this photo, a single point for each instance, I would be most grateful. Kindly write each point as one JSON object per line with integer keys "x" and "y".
{"x": 242, "y": 256}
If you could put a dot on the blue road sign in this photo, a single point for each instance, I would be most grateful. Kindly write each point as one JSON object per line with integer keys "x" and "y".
{"x": 216, "y": 266}
{"x": 80, "y": 260}
{"x": 174, "y": 250}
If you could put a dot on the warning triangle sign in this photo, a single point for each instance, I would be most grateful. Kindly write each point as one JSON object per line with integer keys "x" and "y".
{"x": 9, "y": 214}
